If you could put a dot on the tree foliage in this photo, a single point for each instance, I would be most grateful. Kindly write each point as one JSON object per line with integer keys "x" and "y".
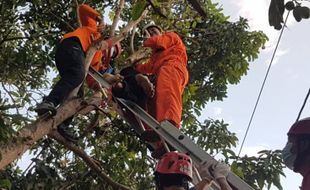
{"x": 219, "y": 53}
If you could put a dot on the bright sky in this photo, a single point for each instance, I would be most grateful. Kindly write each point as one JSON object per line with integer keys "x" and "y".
{"x": 284, "y": 91}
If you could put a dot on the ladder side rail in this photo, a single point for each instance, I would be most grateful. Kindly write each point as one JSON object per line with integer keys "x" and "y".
{"x": 180, "y": 141}
{"x": 98, "y": 77}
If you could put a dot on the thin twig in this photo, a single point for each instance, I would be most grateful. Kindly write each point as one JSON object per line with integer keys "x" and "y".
{"x": 13, "y": 100}
{"x": 60, "y": 19}
{"x": 88, "y": 160}
{"x": 132, "y": 38}
{"x": 77, "y": 13}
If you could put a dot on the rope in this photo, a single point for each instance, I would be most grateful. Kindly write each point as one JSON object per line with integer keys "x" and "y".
{"x": 303, "y": 105}
{"x": 261, "y": 90}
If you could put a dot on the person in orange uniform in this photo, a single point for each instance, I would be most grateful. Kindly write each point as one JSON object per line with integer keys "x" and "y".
{"x": 70, "y": 58}
{"x": 168, "y": 63}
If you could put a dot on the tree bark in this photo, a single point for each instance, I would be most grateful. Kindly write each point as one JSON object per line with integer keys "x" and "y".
{"x": 117, "y": 17}
{"x": 29, "y": 134}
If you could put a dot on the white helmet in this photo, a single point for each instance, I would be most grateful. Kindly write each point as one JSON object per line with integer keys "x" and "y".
{"x": 151, "y": 25}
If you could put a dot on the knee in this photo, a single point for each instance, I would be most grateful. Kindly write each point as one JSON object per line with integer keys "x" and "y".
{"x": 75, "y": 78}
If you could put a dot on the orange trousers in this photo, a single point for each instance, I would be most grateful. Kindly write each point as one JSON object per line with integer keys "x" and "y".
{"x": 171, "y": 80}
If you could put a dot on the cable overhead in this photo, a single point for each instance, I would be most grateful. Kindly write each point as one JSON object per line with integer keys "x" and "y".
{"x": 303, "y": 105}
{"x": 261, "y": 89}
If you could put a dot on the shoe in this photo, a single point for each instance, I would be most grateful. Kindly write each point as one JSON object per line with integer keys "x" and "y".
{"x": 45, "y": 107}
{"x": 68, "y": 133}
{"x": 150, "y": 136}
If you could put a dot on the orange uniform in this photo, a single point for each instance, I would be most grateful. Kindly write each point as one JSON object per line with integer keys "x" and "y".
{"x": 85, "y": 34}
{"x": 89, "y": 27}
{"x": 169, "y": 64}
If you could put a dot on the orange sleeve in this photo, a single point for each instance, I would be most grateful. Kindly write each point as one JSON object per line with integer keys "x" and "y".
{"x": 163, "y": 41}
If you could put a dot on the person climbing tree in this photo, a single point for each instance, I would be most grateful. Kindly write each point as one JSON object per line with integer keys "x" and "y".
{"x": 168, "y": 63}
{"x": 70, "y": 57}
{"x": 296, "y": 153}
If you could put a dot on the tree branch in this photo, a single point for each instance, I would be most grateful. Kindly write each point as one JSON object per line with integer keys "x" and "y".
{"x": 197, "y": 6}
{"x": 132, "y": 38}
{"x": 91, "y": 125}
{"x": 60, "y": 19}
{"x": 77, "y": 13}
{"x": 13, "y": 100}
{"x": 88, "y": 160}
{"x": 116, "y": 17}
{"x": 30, "y": 134}
{"x": 139, "y": 55}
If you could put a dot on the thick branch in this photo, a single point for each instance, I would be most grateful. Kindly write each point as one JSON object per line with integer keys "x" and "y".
{"x": 30, "y": 134}
{"x": 117, "y": 17}
{"x": 88, "y": 160}
{"x": 139, "y": 55}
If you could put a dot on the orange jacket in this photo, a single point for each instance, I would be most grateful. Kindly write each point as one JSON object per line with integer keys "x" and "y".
{"x": 85, "y": 34}
{"x": 168, "y": 63}
{"x": 167, "y": 48}
{"x": 89, "y": 27}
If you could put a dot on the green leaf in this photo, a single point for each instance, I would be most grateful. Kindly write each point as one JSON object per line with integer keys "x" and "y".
{"x": 5, "y": 183}
{"x": 138, "y": 9}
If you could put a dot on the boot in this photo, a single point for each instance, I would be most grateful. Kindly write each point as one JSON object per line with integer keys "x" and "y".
{"x": 45, "y": 107}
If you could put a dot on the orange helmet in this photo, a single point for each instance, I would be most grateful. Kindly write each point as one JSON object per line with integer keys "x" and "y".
{"x": 175, "y": 163}
{"x": 301, "y": 127}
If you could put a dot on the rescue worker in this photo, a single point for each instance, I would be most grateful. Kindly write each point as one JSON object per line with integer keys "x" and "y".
{"x": 296, "y": 153}
{"x": 70, "y": 58}
{"x": 168, "y": 63}
{"x": 174, "y": 172}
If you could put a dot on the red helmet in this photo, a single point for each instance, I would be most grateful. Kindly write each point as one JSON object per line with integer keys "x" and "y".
{"x": 301, "y": 127}
{"x": 175, "y": 163}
